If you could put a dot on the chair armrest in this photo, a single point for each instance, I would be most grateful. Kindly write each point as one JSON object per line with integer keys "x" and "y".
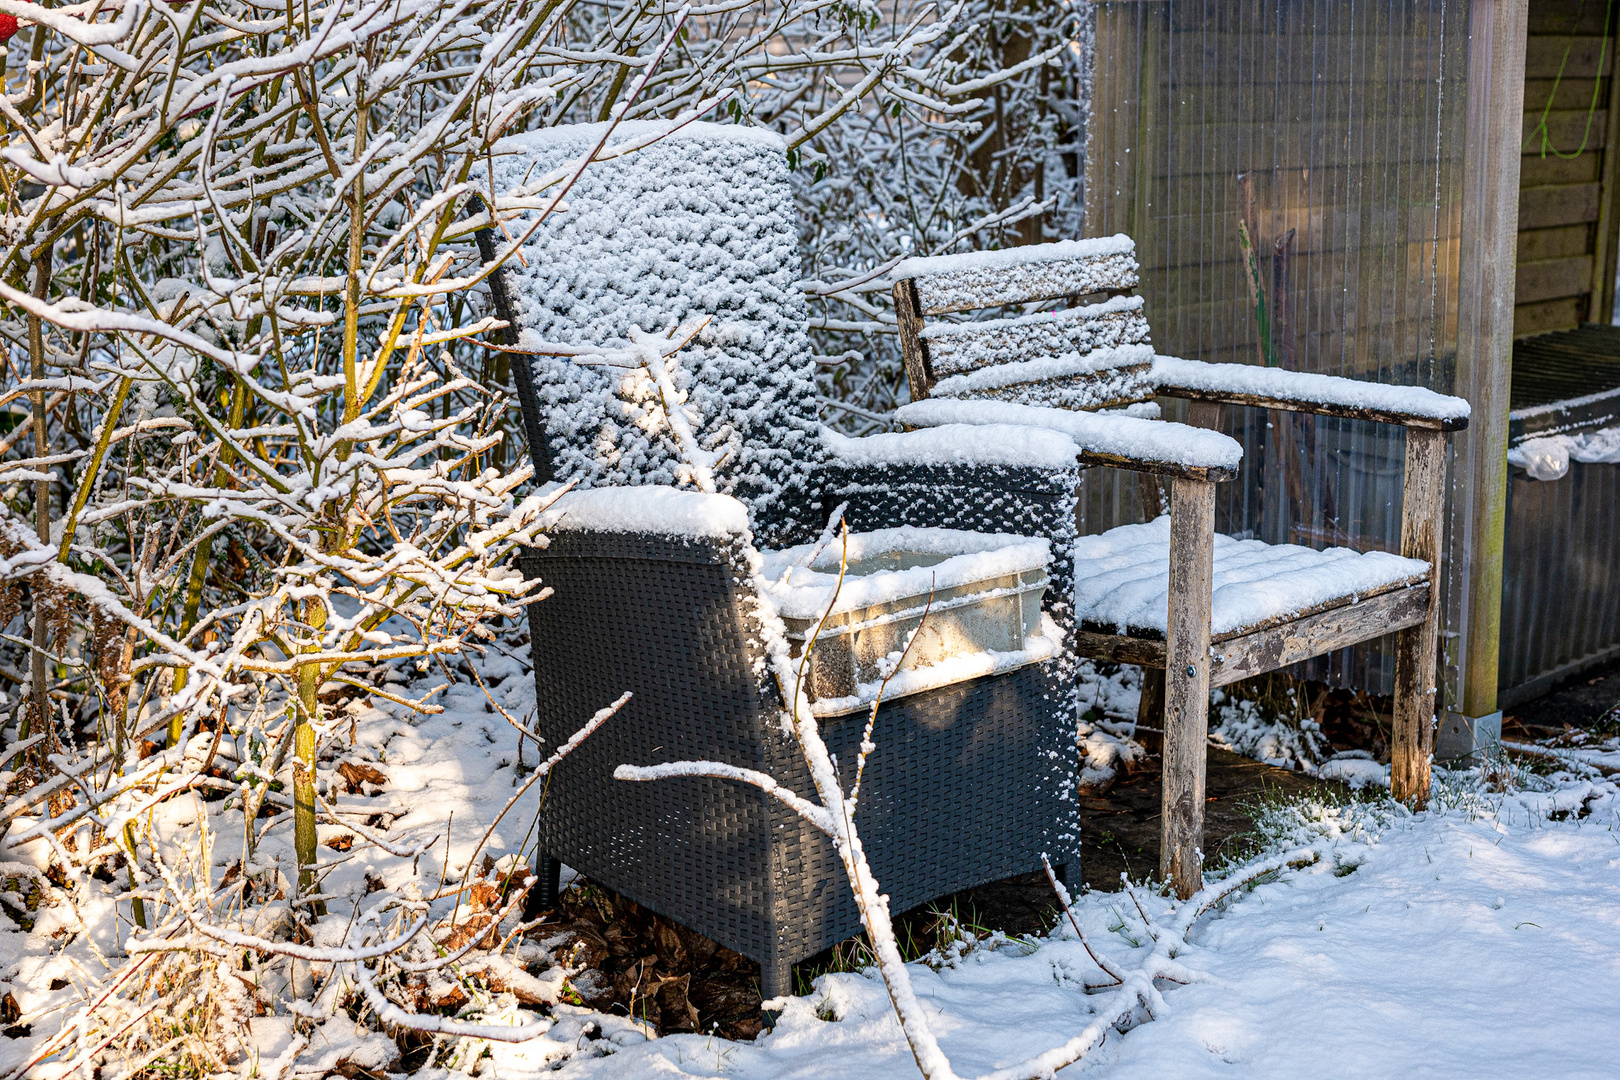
{"x": 1123, "y": 442}
{"x": 1299, "y": 391}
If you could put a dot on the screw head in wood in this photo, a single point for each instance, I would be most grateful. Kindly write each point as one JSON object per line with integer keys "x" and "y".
{"x": 1192, "y": 672}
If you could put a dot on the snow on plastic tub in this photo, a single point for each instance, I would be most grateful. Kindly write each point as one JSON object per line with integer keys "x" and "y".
{"x": 968, "y": 602}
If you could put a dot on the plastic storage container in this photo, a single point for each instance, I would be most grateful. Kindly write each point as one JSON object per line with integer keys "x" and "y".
{"x": 972, "y": 601}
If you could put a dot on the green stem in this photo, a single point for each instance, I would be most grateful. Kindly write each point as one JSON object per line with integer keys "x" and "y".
{"x": 304, "y": 838}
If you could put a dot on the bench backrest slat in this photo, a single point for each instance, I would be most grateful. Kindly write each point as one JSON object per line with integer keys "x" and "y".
{"x": 1091, "y": 357}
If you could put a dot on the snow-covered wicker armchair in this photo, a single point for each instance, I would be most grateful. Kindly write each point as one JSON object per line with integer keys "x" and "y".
{"x": 652, "y": 588}
{"x": 1194, "y": 608}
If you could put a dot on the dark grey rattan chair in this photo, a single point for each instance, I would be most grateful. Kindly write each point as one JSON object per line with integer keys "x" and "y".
{"x": 971, "y": 782}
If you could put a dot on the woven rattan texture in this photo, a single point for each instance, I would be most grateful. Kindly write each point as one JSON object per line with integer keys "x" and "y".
{"x": 958, "y": 793}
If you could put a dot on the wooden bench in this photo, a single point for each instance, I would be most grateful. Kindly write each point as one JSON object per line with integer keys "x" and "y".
{"x": 1174, "y": 598}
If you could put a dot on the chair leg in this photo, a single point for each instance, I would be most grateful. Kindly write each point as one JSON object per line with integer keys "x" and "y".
{"x": 1186, "y": 683}
{"x": 1415, "y": 647}
{"x": 549, "y": 871}
{"x": 775, "y": 978}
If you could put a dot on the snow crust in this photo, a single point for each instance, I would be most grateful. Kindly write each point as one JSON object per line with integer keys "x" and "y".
{"x": 570, "y": 135}
{"x": 981, "y": 279}
{"x": 666, "y": 511}
{"x": 954, "y": 348}
{"x": 1306, "y": 387}
{"x": 1548, "y": 457}
{"x": 1103, "y": 433}
{"x": 700, "y": 224}
{"x": 968, "y": 557}
{"x": 957, "y": 444}
{"x": 1121, "y": 578}
{"x": 1043, "y": 369}
{"x": 1024, "y": 255}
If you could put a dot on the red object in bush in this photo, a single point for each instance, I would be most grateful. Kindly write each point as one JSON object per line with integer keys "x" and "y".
{"x": 8, "y": 27}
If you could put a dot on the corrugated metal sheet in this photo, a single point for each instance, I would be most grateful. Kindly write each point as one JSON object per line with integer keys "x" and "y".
{"x": 1348, "y": 120}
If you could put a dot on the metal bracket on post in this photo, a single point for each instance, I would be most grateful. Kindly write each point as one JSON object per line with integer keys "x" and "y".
{"x": 1467, "y": 740}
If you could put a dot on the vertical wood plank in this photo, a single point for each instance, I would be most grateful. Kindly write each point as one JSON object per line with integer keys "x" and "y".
{"x": 1186, "y": 683}
{"x": 1204, "y": 414}
{"x": 913, "y": 350}
{"x": 1150, "y": 711}
{"x": 1416, "y": 647}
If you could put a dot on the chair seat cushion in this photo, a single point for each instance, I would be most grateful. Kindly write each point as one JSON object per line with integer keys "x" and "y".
{"x": 1121, "y": 580}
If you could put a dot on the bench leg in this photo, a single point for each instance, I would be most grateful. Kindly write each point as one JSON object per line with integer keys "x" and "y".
{"x": 1412, "y": 740}
{"x": 1150, "y": 711}
{"x": 1186, "y": 683}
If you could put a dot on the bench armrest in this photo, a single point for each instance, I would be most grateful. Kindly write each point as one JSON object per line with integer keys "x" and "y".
{"x": 1299, "y": 391}
{"x": 1123, "y": 442}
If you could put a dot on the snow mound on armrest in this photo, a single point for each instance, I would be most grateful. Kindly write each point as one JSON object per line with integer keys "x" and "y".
{"x": 1101, "y": 433}
{"x": 1305, "y": 387}
{"x": 649, "y": 508}
{"x": 957, "y": 444}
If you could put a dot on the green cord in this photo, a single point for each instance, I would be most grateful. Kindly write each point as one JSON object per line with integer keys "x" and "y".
{"x": 1591, "y": 111}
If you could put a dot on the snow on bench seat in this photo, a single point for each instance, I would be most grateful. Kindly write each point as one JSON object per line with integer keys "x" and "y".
{"x": 1122, "y": 580}
{"x": 1126, "y": 439}
{"x": 1349, "y": 396}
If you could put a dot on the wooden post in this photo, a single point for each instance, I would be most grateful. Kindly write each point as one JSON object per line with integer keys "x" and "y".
{"x": 1490, "y": 223}
{"x": 1186, "y": 682}
{"x": 1416, "y": 646}
{"x": 908, "y": 313}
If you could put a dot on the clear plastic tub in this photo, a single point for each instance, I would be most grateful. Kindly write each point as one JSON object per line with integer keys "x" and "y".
{"x": 969, "y": 602}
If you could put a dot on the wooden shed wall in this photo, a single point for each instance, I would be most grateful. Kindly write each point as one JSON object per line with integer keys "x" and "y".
{"x": 1567, "y": 223}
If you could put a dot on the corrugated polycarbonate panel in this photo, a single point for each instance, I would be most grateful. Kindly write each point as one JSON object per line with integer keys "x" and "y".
{"x": 1560, "y": 609}
{"x": 1335, "y": 130}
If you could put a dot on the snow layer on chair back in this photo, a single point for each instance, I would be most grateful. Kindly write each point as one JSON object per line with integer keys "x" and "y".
{"x": 1305, "y": 387}
{"x": 665, "y": 511}
{"x": 701, "y": 223}
{"x": 1101, "y": 433}
{"x": 1121, "y": 578}
{"x": 957, "y": 444}
{"x": 978, "y": 279}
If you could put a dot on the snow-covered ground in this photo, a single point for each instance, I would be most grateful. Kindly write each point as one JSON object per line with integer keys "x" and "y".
{"x": 1481, "y": 938}
{"x": 1474, "y": 942}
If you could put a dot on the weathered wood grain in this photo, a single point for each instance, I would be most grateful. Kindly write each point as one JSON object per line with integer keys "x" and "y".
{"x": 1186, "y": 689}
{"x": 1270, "y": 648}
{"x": 1236, "y": 653}
{"x": 913, "y": 350}
{"x": 1416, "y": 646}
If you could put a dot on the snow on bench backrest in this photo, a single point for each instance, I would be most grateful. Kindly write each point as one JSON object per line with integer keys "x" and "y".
{"x": 981, "y": 279}
{"x": 1089, "y": 357}
{"x": 701, "y": 223}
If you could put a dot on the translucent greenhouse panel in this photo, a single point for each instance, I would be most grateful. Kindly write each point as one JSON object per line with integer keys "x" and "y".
{"x": 1292, "y": 174}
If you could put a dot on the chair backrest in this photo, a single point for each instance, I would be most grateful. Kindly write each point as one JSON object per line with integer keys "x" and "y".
{"x": 1086, "y": 356}
{"x": 699, "y": 223}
